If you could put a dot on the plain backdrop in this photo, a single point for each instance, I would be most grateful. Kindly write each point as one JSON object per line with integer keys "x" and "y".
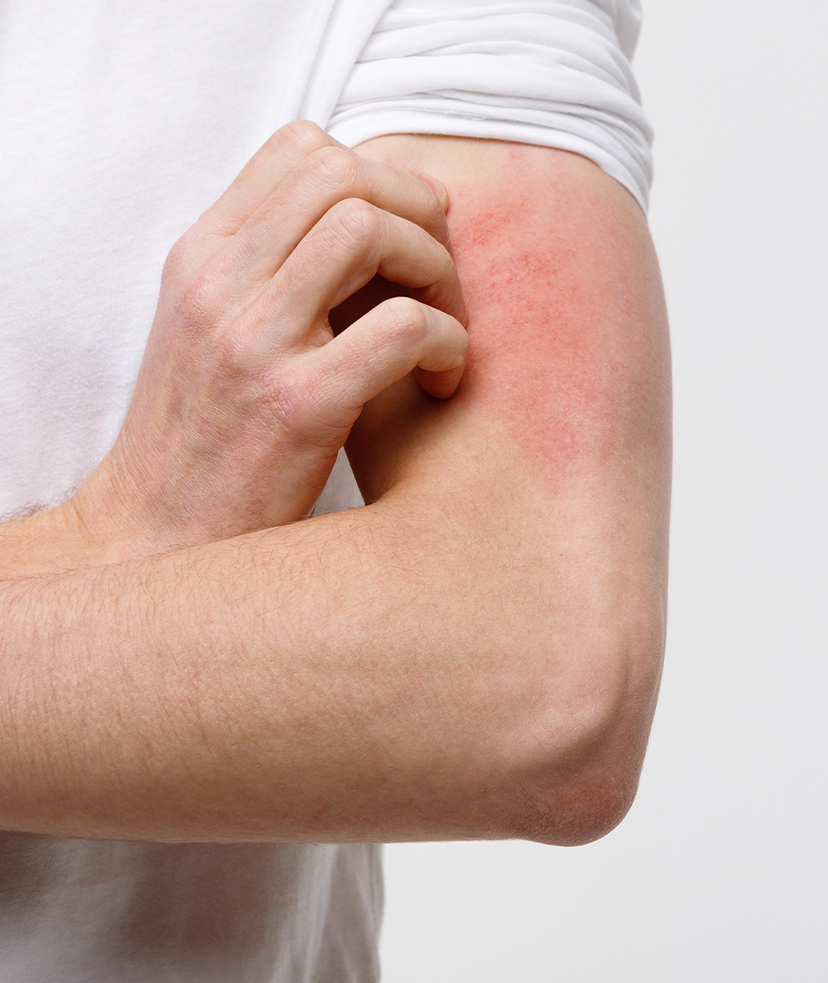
{"x": 720, "y": 872}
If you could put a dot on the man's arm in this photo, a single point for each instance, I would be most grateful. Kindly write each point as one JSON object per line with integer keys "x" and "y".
{"x": 474, "y": 654}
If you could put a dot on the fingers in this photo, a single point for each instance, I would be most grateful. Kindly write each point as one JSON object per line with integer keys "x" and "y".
{"x": 306, "y": 224}
{"x": 263, "y": 173}
{"x": 212, "y": 238}
{"x": 353, "y": 242}
{"x": 302, "y": 170}
{"x": 283, "y": 192}
{"x": 323, "y": 180}
{"x": 396, "y": 337}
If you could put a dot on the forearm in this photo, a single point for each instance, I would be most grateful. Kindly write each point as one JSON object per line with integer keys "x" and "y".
{"x": 270, "y": 687}
{"x": 366, "y": 675}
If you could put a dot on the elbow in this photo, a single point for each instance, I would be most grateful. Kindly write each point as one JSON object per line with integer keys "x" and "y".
{"x": 581, "y": 810}
{"x": 585, "y": 748}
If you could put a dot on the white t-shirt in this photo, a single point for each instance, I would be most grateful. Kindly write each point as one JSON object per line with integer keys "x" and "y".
{"x": 119, "y": 124}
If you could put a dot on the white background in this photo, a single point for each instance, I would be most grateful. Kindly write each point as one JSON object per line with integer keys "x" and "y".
{"x": 720, "y": 871}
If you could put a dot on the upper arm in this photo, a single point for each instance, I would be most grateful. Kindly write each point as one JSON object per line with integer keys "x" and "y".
{"x": 551, "y": 464}
{"x": 569, "y": 355}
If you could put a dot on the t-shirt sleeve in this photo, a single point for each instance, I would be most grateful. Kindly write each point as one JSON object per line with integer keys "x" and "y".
{"x": 549, "y": 72}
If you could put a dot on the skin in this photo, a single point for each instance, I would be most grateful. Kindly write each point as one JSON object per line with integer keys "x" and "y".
{"x": 561, "y": 302}
{"x": 474, "y": 654}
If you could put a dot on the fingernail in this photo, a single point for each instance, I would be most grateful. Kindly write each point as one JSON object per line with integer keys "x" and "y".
{"x": 436, "y": 186}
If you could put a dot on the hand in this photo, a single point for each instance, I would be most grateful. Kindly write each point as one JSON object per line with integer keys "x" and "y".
{"x": 244, "y": 395}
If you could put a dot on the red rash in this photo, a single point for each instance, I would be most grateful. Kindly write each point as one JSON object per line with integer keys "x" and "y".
{"x": 549, "y": 318}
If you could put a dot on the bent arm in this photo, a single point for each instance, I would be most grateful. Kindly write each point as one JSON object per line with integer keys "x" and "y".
{"x": 474, "y": 654}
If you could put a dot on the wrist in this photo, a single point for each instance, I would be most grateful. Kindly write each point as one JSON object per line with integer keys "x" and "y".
{"x": 90, "y": 529}
{"x": 109, "y": 524}
{"x": 48, "y": 542}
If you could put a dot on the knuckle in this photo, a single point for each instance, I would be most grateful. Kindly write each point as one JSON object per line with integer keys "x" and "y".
{"x": 302, "y": 135}
{"x": 190, "y": 252}
{"x": 272, "y": 395}
{"x": 283, "y": 401}
{"x": 334, "y": 168}
{"x": 178, "y": 256}
{"x": 198, "y": 301}
{"x": 355, "y": 223}
{"x": 228, "y": 361}
{"x": 407, "y": 318}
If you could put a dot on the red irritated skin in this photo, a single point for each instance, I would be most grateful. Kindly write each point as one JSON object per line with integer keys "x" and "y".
{"x": 555, "y": 449}
{"x": 558, "y": 334}
{"x": 569, "y": 353}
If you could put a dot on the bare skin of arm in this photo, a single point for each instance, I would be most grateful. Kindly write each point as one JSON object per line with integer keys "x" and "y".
{"x": 474, "y": 654}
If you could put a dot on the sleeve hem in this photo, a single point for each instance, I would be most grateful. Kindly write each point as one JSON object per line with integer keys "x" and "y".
{"x": 356, "y": 130}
